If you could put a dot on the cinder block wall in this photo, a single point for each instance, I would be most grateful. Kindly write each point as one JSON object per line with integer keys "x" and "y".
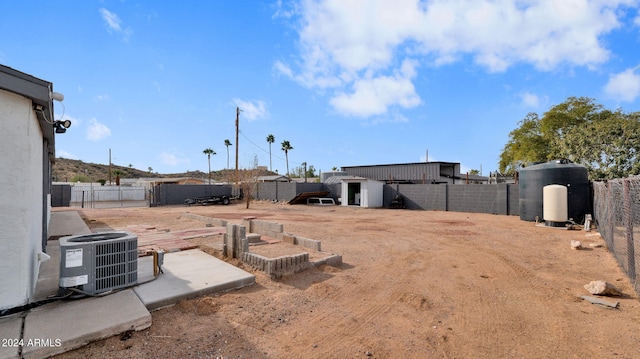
{"x": 168, "y": 194}
{"x": 279, "y": 191}
{"x": 495, "y": 199}
{"x": 472, "y": 198}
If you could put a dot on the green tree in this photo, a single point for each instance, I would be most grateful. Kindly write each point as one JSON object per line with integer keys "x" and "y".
{"x": 227, "y": 143}
{"x": 209, "y": 152}
{"x": 607, "y": 143}
{"x": 270, "y": 140}
{"x": 474, "y": 172}
{"x": 526, "y": 144}
{"x": 299, "y": 172}
{"x": 80, "y": 178}
{"x": 609, "y": 146}
{"x": 286, "y": 147}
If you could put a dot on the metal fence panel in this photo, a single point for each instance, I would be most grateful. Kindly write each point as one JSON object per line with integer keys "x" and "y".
{"x": 617, "y": 214}
{"x": 96, "y": 196}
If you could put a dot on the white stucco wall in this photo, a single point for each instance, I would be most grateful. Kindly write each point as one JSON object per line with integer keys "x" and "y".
{"x": 21, "y": 146}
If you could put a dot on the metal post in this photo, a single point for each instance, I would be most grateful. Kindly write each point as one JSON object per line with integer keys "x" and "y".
{"x": 237, "y": 143}
{"x": 628, "y": 216}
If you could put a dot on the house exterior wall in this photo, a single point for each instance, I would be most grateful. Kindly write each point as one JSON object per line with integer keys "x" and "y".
{"x": 21, "y": 199}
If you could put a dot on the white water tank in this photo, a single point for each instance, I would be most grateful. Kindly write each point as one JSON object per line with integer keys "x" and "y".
{"x": 555, "y": 205}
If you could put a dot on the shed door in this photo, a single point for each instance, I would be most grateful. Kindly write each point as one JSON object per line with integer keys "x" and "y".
{"x": 353, "y": 190}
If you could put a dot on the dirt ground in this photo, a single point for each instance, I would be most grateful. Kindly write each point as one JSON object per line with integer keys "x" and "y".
{"x": 414, "y": 284}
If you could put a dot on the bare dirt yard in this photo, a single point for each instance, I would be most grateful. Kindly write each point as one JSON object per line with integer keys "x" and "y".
{"x": 414, "y": 284}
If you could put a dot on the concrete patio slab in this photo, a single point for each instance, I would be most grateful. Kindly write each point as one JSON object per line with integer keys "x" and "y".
{"x": 10, "y": 328}
{"x": 187, "y": 274}
{"x": 61, "y": 326}
{"x": 66, "y": 223}
{"x": 65, "y": 325}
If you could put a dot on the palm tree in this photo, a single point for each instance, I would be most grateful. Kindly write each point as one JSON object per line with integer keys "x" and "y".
{"x": 209, "y": 152}
{"x": 271, "y": 140}
{"x": 227, "y": 143}
{"x": 286, "y": 147}
{"x": 118, "y": 173}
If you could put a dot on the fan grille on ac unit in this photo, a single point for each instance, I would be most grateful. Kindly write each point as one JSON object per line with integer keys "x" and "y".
{"x": 116, "y": 265}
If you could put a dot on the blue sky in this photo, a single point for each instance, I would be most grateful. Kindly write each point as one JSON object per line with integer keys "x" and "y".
{"x": 345, "y": 82}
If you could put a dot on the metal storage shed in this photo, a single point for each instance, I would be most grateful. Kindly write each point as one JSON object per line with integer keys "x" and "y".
{"x": 360, "y": 191}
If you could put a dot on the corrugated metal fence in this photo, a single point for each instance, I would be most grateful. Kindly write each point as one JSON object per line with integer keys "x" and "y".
{"x": 617, "y": 214}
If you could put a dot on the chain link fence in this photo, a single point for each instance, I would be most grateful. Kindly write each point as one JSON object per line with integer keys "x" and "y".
{"x": 617, "y": 214}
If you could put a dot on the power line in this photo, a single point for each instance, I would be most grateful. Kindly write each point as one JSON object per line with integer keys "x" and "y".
{"x": 267, "y": 152}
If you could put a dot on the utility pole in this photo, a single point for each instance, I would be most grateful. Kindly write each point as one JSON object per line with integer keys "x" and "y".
{"x": 237, "y": 143}
{"x": 109, "y": 167}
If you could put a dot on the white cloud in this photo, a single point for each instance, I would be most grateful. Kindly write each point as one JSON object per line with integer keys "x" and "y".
{"x": 65, "y": 154}
{"x": 532, "y": 100}
{"x": 283, "y": 11}
{"x": 104, "y": 97}
{"x": 251, "y": 110}
{"x": 97, "y": 131}
{"x": 392, "y": 117}
{"x": 624, "y": 86}
{"x": 172, "y": 160}
{"x": 359, "y": 43}
{"x": 114, "y": 23}
{"x": 373, "y": 96}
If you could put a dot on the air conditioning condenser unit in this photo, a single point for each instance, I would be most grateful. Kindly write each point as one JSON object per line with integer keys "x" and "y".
{"x": 99, "y": 262}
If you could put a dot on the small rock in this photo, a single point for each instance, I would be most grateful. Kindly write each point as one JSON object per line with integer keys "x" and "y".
{"x": 576, "y": 244}
{"x": 595, "y": 245}
{"x": 368, "y": 353}
{"x": 600, "y": 287}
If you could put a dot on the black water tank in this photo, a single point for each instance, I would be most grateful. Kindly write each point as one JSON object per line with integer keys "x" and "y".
{"x": 563, "y": 172}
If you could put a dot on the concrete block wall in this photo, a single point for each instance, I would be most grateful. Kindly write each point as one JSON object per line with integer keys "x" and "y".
{"x": 235, "y": 242}
{"x": 277, "y": 266}
{"x": 495, "y": 199}
{"x": 279, "y": 191}
{"x": 236, "y": 245}
{"x": 308, "y": 243}
{"x": 276, "y": 230}
{"x": 171, "y": 194}
{"x": 209, "y": 220}
{"x": 476, "y": 198}
{"x": 419, "y": 196}
{"x": 265, "y": 228}
{"x": 309, "y": 187}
